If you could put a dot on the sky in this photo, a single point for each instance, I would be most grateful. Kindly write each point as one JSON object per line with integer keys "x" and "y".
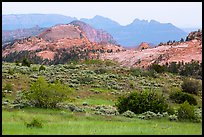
{"x": 181, "y": 14}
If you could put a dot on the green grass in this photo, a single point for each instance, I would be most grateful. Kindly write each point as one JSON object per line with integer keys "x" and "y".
{"x": 96, "y": 101}
{"x": 55, "y": 122}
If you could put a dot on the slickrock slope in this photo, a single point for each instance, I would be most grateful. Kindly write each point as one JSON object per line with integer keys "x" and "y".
{"x": 180, "y": 51}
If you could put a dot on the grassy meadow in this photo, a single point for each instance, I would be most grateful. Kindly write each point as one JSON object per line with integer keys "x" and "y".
{"x": 67, "y": 123}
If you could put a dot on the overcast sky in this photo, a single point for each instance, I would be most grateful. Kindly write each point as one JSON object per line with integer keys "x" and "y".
{"x": 181, "y": 14}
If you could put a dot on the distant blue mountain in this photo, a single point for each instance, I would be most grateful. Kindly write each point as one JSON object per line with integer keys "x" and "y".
{"x": 22, "y": 21}
{"x": 138, "y": 31}
{"x": 100, "y": 22}
{"x": 130, "y": 35}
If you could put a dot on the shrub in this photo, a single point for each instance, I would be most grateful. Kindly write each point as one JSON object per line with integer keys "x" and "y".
{"x": 136, "y": 72}
{"x": 129, "y": 114}
{"x": 106, "y": 110}
{"x": 151, "y": 115}
{"x": 42, "y": 68}
{"x": 145, "y": 73}
{"x": 158, "y": 68}
{"x": 8, "y": 87}
{"x": 139, "y": 102}
{"x": 34, "y": 68}
{"x": 34, "y": 123}
{"x": 26, "y": 62}
{"x": 85, "y": 80}
{"x": 17, "y": 63}
{"x": 11, "y": 71}
{"x": 100, "y": 71}
{"x": 191, "y": 86}
{"x": 147, "y": 115}
{"x": 198, "y": 113}
{"x": 180, "y": 97}
{"x": 173, "y": 117}
{"x": 186, "y": 112}
{"x": 44, "y": 95}
{"x": 149, "y": 73}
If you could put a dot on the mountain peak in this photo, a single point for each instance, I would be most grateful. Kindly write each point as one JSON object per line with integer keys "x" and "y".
{"x": 78, "y": 22}
{"x": 138, "y": 21}
{"x": 98, "y": 16}
{"x": 154, "y": 21}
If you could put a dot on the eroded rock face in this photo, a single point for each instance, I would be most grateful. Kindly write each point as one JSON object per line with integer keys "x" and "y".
{"x": 94, "y": 35}
{"x": 178, "y": 51}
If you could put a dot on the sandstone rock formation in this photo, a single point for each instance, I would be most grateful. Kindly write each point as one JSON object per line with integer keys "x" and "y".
{"x": 68, "y": 41}
{"x": 178, "y": 51}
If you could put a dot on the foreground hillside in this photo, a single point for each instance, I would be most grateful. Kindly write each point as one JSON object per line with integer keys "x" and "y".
{"x": 91, "y": 105}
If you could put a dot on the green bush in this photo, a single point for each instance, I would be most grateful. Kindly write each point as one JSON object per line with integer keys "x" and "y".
{"x": 191, "y": 86}
{"x": 100, "y": 71}
{"x": 34, "y": 68}
{"x": 149, "y": 73}
{"x": 34, "y": 123}
{"x": 144, "y": 73}
{"x": 136, "y": 72}
{"x": 11, "y": 71}
{"x": 139, "y": 102}
{"x": 186, "y": 112}
{"x": 8, "y": 87}
{"x": 26, "y": 62}
{"x": 45, "y": 95}
{"x": 42, "y": 68}
{"x": 158, "y": 68}
{"x": 17, "y": 63}
{"x": 180, "y": 97}
{"x": 85, "y": 80}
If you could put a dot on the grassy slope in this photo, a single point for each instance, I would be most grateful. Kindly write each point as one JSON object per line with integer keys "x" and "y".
{"x": 84, "y": 123}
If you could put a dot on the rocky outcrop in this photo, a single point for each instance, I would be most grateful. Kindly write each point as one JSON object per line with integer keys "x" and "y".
{"x": 195, "y": 35}
{"x": 94, "y": 35}
{"x": 143, "y": 46}
{"x": 58, "y": 32}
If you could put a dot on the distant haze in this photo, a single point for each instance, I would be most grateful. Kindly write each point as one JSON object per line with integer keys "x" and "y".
{"x": 181, "y": 14}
